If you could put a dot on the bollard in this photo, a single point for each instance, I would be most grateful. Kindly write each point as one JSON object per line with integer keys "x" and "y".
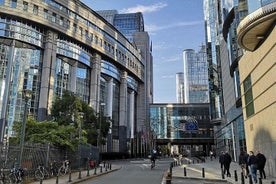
{"x": 79, "y": 174}
{"x": 169, "y": 178}
{"x": 222, "y": 174}
{"x": 101, "y": 169}
{"x": 242, "y": 178}
{"x": 203, "y": 173}
{"x": 260, "y": 181}
{"x": 104, "y": 164}
{"x": 95, "y": 171}
{"x": 88, "y": 174}
{"x": 273, "y": 182}
{"x": 236, "y": 175}
{"x": 185, "y": 172}
{"x": 57, "y": 179}
{"x": 193, "y": 161}
{"x": 170, "y": 169}
{"x": 109, "y": 166}
{"x": 41, "y": 180}
{"x": 70, "y": 176}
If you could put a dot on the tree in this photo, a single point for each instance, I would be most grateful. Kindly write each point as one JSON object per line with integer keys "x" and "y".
{"x": 66, "y": 111}
{"x": 46, "y": 132}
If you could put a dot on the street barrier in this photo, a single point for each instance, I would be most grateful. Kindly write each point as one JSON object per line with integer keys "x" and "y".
{"x": 236, "y": 175}
{"x": 185, "y": 172}
{"x": 203, "y": 173}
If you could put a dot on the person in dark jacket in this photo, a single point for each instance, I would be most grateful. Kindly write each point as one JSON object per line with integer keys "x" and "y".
{"x": 227, "y": 162}
{"x": 252, "y": 162}
{"x": 261, "y": 160}
{"x": 243, "y": 163}
{"x": 221, "y": 160}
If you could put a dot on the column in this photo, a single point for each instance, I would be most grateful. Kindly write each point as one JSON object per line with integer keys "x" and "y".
{"x": 122, "y": 116}
{"x": 6, "y": 91}
{"x": 47, "y": 76}
{"x": 95, "y": 82}
{"x": 109, "y": 113}
{"x": 73, "y": 77}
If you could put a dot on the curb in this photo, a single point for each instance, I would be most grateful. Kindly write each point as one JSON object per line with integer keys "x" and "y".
{"x": 95, "y": 176}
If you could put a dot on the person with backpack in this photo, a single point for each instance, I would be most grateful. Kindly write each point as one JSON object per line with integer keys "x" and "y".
{"x": 261, "y": 160}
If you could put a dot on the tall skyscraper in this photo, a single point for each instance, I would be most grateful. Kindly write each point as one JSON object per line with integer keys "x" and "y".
{"x": 180, "y": 87}
{"x": 195, "y": 76}
{"x": 131, "y": 25}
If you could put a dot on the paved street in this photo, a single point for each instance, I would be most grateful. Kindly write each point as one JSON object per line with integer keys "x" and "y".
{"x": 138, "y": 171}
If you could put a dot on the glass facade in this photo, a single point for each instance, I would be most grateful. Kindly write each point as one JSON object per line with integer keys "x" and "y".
{"x": 211, "y": 17}
{"x": 180, "y": 122}
{"x": 128, "y": 24}
{"x": 195, "y": 76}
{"x": 68, "y": 51}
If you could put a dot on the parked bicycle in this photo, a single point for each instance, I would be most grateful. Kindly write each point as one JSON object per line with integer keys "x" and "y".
{"x": 3, "y": 178}
{"x": 65, "y": 168}
{"x": 16, "y": 175}
{"x": 41, "y": 173}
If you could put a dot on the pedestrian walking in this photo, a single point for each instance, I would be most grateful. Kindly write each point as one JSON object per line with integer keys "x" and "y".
{"x": 221, "y": 160}
{"x": 243, "y": 163}
{"x": 227, "y": 162}
{"x": 261, "y": 160}
{"x": 252, "y": 162}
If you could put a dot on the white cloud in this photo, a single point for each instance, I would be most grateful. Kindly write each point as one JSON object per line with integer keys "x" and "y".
{"x": 144, "y": 9}
{"x": 153, "y": 28}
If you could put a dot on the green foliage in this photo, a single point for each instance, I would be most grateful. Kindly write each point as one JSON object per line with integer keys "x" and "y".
{"x": 71, "y": 116}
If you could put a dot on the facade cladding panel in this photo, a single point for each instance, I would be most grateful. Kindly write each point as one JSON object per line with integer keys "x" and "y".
{"x": 48, "y": 47}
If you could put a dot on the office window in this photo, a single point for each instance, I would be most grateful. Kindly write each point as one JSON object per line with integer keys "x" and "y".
{"x": 248, "y": 96}
{"x": 80, "y": 31}
{"x": 13, "y": 3}
{"x": 68, "y": 24}
{"x": 61, "y": 21}
{"x": 45, "y": 14}
{"x": 25, "y": 6}
{"x": 35, "y": 9}
{"x": 74, "y": 28}
{"x": 54, "y": 17}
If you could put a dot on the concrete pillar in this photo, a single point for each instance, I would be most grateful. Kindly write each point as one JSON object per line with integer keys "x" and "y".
{"x": 123, "y": 115}
{"x": 47, "y": 77}
{"x": 73, "y": 77}
{"x": 95, "y": 83}
{"x": 109, "y": 113}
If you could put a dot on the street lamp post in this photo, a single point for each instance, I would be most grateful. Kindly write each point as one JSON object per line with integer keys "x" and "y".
{"x": 100, "y": 124}
{"x": 79, "y": 144}
{"x": 26, "y": 95}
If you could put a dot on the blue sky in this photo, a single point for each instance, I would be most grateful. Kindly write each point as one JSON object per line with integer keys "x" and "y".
{"x": 173, "y": 25}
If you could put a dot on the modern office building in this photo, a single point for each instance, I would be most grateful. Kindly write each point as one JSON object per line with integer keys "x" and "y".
{"x": 185, "y": 125}
{"x": 237, "y": 34}
{"x": 223, "y": 52}
{"x": 131, "y": 25}
{"x": 256, "y": 34}
{"x": 51, "y": 45}
{"x": 195, "y": 76}
{"x": 179, "y": 77}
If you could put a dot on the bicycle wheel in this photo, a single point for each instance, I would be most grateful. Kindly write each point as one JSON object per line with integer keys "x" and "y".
{"x": 39, "y": 175}
{"x": 12, "y": 178}
{"x": 62, "y": 171}
{"x": 5, "y": 180}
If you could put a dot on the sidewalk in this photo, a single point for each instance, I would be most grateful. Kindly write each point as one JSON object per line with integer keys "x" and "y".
{"x": 212, "y": 172}
{"x": 75, "y": 176}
